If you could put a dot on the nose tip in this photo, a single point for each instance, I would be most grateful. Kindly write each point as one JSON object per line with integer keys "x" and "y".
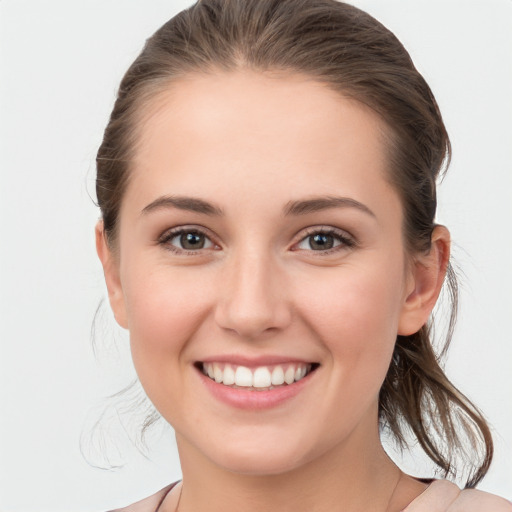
{"x": 253, "y": 301}
{"x": 251, "y": 320}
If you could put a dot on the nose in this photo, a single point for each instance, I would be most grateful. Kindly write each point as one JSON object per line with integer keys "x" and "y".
{"x": 252, "y": 297}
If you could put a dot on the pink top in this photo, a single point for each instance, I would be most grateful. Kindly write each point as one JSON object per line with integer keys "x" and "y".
{"x": 439, "y": 496}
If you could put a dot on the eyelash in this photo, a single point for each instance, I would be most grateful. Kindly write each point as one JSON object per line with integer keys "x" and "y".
{"x": 346, "y": 241}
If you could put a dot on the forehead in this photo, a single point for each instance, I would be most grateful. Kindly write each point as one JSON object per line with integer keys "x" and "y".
{"x": 252, "y": 133}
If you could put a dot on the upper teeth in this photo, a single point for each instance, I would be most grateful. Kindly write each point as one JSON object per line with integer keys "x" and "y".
{"x": 260, "y": 377}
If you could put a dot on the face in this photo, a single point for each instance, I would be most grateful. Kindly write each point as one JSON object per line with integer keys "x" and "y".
{"x": 260, "y": 240}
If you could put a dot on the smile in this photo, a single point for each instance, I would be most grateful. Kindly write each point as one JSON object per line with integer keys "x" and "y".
{"x": 261, "y": 378}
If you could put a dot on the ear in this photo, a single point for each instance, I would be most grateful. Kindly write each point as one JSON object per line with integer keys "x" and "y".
{"x": 110, "y": 263}
{"x": 427, "y": 275}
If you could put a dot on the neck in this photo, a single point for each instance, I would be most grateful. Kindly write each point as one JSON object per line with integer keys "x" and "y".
{"x": 355, "y": 476}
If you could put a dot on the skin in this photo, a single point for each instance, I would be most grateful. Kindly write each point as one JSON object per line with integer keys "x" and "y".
{"x": 251, "y": 143}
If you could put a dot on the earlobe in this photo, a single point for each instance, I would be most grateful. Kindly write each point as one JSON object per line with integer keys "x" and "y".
{"x": 428, "y": 273}
{"x": 111, "y": 272}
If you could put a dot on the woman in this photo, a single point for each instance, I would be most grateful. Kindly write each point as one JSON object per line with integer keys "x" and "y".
{"x": 267, "y": 187}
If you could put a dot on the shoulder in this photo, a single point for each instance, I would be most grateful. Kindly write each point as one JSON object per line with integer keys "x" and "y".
{"x": 149, "y": 504}
{"x": 444, "y": 496}
{"x": 471, "y": 500}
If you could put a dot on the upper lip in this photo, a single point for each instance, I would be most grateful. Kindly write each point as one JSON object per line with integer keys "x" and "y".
{"x": 263, "y": 360}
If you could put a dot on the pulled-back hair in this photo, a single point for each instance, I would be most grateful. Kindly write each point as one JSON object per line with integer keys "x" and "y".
{"x": 352, "y": 53}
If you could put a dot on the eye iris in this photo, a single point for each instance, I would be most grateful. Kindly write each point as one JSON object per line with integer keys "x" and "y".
{"x": 192, "y": 241}
{"x": 321, "y": 241}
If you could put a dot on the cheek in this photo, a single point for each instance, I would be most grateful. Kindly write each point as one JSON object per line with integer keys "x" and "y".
{"x": 355, "y": 312}
{"x": 165, "y": 307}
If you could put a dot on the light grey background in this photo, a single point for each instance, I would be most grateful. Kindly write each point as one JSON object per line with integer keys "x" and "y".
{"x": 61, "y": 62}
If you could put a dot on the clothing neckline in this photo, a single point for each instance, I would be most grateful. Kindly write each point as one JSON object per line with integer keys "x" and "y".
{"x": 428, "y": 481}
{"x": 169, "y": 489}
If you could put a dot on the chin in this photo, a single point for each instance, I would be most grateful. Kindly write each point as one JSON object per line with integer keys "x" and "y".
{"x": 258, "y": 458}
{"x": 258, "y": 465}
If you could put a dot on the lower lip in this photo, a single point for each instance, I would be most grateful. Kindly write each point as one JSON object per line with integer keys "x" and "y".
{"x": 254, "y": 400}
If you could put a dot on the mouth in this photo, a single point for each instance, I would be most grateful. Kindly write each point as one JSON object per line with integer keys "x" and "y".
{"x": 259, "y": 378}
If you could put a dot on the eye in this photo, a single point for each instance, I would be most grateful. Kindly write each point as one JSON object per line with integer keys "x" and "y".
{"x": 319, "y": 242}
{"x": 185, "y": 240}
{"x": 325, "y": 240}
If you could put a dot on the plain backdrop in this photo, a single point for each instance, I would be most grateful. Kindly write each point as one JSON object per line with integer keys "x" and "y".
{"x": 61, "y": 62}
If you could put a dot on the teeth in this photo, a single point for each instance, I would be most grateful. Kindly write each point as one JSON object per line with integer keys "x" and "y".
{"x": 277, "y": 376}
{"x": 263, "y": 377}
{"x": 243, "y": 377}
{"x": 218, "y": 374}
{"x": 229, "y": 375}
{"x": 289, "y": 375}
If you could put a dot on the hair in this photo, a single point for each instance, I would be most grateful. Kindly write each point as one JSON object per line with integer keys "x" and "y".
{"x": 352, "y": 53}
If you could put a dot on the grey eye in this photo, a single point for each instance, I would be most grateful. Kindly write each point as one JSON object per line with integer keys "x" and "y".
{"x": 319, "y": 242}
{"x": 190, "y": 241}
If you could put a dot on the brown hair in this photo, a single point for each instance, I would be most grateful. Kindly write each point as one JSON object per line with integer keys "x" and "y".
{"x": 345, "y": 48}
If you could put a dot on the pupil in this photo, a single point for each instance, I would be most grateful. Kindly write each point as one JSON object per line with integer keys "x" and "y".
{"x": 321, "y": 242}
{"x": 192, "y": 241}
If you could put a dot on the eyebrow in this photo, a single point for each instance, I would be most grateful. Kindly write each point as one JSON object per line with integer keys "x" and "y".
{"x": 317, "y": 204}
{"x": 190, "y": 204}
{"x": 302, "y": 207}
